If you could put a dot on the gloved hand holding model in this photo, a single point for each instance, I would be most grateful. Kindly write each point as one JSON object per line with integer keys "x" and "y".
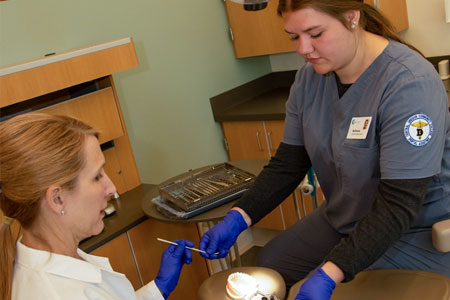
{"x": 222, "y": 236}
{"x": 172, "y": 261}
{"x": 318, "y": 287}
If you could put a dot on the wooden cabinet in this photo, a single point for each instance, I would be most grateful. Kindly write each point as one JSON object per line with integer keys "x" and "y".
{"x": 260, "y": 140}
{"x": 262, "y": 32}
{"x": 121, "y": 258}
{"x": 394, "y": 10}
{"x": 97, "y": 109}
{"x": 78, "y": 83}
{"x": 246, "y": 140}
{"x": 252, "y": 139}
{"x": 257, "y": 32}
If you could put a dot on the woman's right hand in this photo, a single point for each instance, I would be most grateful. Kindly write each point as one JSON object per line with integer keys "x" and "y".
{"x": 172, "y": 262}
{"x": 218, "y": 240}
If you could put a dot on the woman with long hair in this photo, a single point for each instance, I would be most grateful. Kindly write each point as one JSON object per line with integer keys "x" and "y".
{"x": 370, "y": 114}
{"x": 53, "y": 183}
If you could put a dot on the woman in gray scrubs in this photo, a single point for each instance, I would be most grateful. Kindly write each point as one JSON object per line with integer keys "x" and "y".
{"x": 370, "y": 115}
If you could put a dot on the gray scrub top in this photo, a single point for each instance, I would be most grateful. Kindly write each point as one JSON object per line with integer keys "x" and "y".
{"x": 392, "y": 123}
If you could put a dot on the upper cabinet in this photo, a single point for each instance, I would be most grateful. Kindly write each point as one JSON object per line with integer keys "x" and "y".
{"x": 394, "y": 10}
{"x": 78, "y": 83}
{"x": 257, "y": 32}
{"x": 262, "y": 32}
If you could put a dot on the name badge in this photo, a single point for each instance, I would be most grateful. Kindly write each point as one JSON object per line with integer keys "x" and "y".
{"x": 359, "y": 126}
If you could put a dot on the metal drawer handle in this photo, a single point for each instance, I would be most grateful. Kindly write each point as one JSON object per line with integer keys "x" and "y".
{"x": 269, "y": 134}
{"x": 259, "y": 142}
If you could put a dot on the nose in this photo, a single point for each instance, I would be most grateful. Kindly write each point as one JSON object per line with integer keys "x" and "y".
{"x": 110, "y": 188}
{"x": 303, "y": 46}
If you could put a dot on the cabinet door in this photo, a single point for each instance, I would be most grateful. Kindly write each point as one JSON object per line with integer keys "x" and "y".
{"x": 246, "y": 140}
{"x": 257, "y": 32}
{"x": 394, "y": 10}
{"x": 275, "y": 130}
{"x": 121, "y": 258}
{"x": 148, "y": 253}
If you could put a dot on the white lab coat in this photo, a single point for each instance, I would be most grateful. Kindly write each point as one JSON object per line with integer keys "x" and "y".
{"x": 44, "y": 275}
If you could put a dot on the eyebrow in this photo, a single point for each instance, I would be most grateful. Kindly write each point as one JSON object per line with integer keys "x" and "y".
{"x": 101, "y": 167}
{"x": 309, "y": 29}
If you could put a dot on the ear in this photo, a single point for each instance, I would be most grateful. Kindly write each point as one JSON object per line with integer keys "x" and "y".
{"x": 353, "y": 16}
{"x": 53, "y": 198}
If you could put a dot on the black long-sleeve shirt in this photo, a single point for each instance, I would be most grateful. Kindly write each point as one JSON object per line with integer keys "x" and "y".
{"x": 396, "y": 205}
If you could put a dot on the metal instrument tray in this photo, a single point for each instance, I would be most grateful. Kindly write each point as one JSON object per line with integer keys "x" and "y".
{"x": 222, "y": 182}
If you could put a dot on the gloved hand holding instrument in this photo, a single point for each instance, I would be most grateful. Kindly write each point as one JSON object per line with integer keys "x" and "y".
{"x": 222, "y": 236}
{"x": 172, "y": 261}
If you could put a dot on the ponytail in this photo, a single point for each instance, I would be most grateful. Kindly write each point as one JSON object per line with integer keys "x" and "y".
{"x": 7, "y": 257}
{"x": 375, "y": 22}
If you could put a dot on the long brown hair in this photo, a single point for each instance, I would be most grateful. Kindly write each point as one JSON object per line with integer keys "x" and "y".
{"x": 371, "y": 19}
{"x": 36, "y": 151}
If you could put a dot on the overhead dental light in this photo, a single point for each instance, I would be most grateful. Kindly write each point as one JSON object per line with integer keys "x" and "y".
{"x": 252, "y": 5}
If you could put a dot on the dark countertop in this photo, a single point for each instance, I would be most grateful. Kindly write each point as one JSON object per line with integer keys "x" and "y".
{"x": 128, "y": 214}
{"x": 268, "y": 106}
{"x": 260, "y": 99}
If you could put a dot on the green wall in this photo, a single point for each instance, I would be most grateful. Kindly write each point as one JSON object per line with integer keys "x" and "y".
{"x": 185, "y": 57}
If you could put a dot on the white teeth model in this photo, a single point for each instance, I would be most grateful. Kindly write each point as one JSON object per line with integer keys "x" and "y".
{"x": 241, "y": 286}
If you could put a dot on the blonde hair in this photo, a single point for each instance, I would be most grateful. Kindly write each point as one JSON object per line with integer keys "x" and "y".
{"x": 371, "y": 19}
{"x": 37, "y": 150}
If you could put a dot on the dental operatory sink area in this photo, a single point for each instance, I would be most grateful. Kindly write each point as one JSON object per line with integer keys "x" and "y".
{"x": 224, "y": 149}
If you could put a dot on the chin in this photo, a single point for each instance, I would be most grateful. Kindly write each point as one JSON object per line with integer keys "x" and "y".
{"x": 321, "y": 69}
{"x": 99, "y": 228}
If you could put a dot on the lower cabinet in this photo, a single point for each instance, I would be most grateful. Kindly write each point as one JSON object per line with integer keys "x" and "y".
{"x": 138, "y": 253}
{"x": 121, "y": 258}
{"x": 260, "y": 140}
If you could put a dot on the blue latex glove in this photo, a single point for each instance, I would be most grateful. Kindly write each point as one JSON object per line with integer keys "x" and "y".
{"x": 318, "y": 287}
{"x": 172, "y": 261}
{"x": 222, "y": 236}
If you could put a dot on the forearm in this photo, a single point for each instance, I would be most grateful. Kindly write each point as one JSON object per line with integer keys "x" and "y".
{"x": 397, "y": 204}
{"x": 277, "y": 180}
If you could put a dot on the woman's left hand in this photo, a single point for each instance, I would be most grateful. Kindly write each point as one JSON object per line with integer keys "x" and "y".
{"x": 172, "y": 261}
{"x": 318, "y": 287}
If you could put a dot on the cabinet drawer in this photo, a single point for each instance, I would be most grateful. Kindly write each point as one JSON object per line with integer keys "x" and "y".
{"x": 97, "y": 109}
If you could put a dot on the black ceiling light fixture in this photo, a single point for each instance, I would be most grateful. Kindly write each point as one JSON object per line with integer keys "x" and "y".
{"x": 252, "y": 5}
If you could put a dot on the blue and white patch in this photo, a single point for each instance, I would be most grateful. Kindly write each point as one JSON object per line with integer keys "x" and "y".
{"x": 418, "y": 130}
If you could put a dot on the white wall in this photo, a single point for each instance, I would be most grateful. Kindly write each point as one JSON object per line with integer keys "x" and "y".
{"x": 427, "y": 31}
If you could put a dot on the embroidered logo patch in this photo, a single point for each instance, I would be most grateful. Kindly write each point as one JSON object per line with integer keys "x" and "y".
{"x": 418, "y": 130}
